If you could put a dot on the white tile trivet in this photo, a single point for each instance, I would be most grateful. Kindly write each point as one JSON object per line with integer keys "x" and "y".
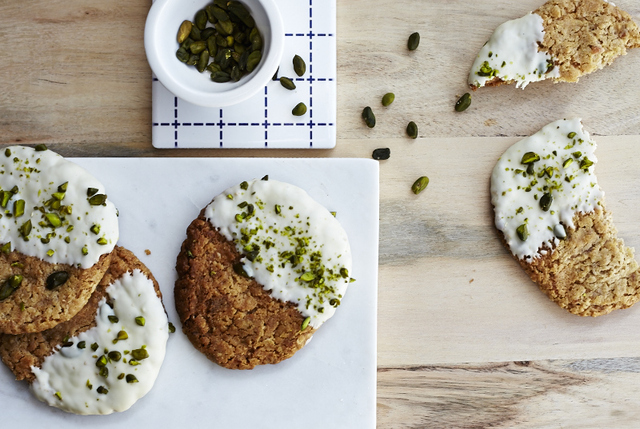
{"x": 265, "y": 120}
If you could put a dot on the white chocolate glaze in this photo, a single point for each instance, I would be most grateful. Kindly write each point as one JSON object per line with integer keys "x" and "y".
{"x": 65, "y": 376}
{"x": 564, "y": 170}
{"x": 512, "y": 54}
{"x": 302, "y": 255}
{"x": 36, "y": 176}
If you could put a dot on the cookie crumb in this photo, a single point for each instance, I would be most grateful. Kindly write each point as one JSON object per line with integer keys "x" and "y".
{"x": 147, "y": 252}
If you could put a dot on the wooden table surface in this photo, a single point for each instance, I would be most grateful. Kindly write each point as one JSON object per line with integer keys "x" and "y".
{"x": 465, "y": 340}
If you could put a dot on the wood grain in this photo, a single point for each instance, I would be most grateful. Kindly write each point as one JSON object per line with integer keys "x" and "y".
{"x": 81, "y": 76}
{"x": 545, "y": 394}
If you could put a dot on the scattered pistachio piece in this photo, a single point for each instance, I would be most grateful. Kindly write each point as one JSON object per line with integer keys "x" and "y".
{"x": 381, "y": 154}
{"x": 463, "y": 103}
{"x": 388, "y": 98}
{"x": 412, "y": 130}
{"x": 140, "y": 354}
{"x": 414, "y": 41}
{"x": 299, "y": 65}
{"x": 420, "y": 185}
{"x": 56, "y": 279}
{"x": 299, "y": 110}
{"x": 131, "y": 378}
{"x": 305, "y": 323}
{"x": 530, "y": 157}
{"x": 18, "y": 208}
{"x": 140, "y": 320}
{"x": 523, "y": 232}
{"x": 369, "y": 117}
{"x": 287, "y": 83}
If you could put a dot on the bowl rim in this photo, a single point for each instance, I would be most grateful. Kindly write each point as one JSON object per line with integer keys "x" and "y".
{"x": 240, "y": 93}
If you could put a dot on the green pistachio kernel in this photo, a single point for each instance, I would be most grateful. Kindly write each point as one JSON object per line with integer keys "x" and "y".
{"x": 95, "y": 229}
{"x": 91, "y": 191}
{"x": 82, "y": 345}
{"x": 6, "y": 248}
{"x": 58, "y": 395}
{"x": 420, "y": 185}
{"x": 115, "y": 356}
{"x": 414, "y": 41}
{"x": 463, "y": 103}
{"x": 545, "y": 202}
{"x": 299, "y": 66}
{"x": 5, "y": 196}
{"x": 172, "y": 328}
{"x": 571, "y": 135}
{"x": 299, "y": 110}
{"x": 368, "y": 117}
{"x": 529, "y": 158}
{"x": 40, "y": 147}
{"x": 523, "y": 232}
{"x": 139, "y": 354}
{"x": 305, "y": 323}
{"x": 113, "y": 319}
{"x": 308, "y": 276}
{"x": 140, "y": 320}
{"x": 585, "y": 163}
{"x": 122, "y": 335}
{"x": 102, "y": 361}
{"x": 18, "y": 208}
{"x": 25, "y": 229}
{"x": 104, "y": 372}
{"x": 567, "y": 162}
{"x": 94, "y": 346}
{"x": 102, "y": 241}
{"x": 9, "y": 286}
{"x": 56, "y": 279}
{"x": 53, "y": 219}
{"x": 97, "y": 199}
{"x": 85, "y": 250}
{"x": 388, "y": 98}
{"x": 102, "y": 390}
{"x": 63, "y": 187}
{"x": 89, "y": 385}
{"x": 131, "y": 378}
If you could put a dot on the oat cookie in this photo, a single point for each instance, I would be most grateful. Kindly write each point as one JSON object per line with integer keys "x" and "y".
{"x": 262, "y": 267}
{"x": 59, "y": 362}
{"x": 562, "y": 40}
{"x": 57, "y": 229}
{"x": 551, "y": 214}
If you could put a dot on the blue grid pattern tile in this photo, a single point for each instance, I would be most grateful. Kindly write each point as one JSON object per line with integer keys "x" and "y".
{"x": 265, "y": 120}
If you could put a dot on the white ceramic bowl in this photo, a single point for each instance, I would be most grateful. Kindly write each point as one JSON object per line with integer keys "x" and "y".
{"x": 161, "y": 28}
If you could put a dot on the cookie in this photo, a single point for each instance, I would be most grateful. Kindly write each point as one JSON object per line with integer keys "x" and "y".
{"x": 562, "y": 40}
{"x": 551, "y": 215}
{"x": 262, "y": 268}
{"x": 57, "y": 229}
{"x": 108, "y": 355}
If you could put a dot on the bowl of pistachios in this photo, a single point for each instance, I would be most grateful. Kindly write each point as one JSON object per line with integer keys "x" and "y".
{"x": 214, "y": 53}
